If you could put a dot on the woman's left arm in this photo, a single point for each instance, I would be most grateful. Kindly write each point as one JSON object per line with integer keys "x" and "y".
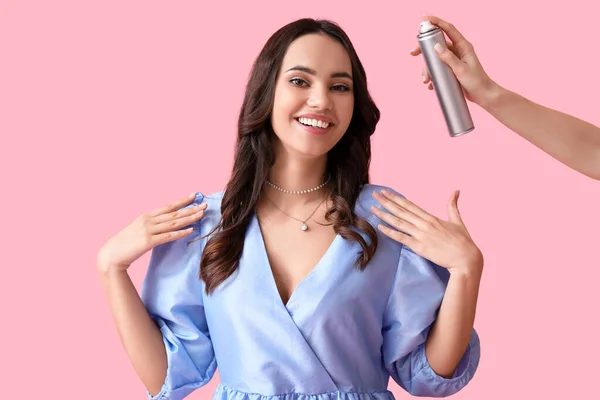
{"x": 451, "y": 331}
{"x": 449, "y": 245}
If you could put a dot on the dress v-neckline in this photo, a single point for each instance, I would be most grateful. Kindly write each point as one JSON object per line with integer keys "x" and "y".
{"x": 315, "y": 270}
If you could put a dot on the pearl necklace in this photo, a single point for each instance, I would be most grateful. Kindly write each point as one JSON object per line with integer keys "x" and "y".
{"x": 298, "y": 191}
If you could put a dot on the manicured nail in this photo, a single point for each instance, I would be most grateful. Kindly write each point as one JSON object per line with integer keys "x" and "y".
{"x": 385, "y": 192}
{"x": 192, "y": 195}
{"x": 424, "y": 78}
{"x": 439, "y": 48}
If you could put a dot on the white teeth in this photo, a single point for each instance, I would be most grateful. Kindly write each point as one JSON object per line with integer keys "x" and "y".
{"x": 314, "y": 122}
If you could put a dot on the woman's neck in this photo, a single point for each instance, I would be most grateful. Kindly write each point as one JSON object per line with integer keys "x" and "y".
{"x": 295, "y": 174}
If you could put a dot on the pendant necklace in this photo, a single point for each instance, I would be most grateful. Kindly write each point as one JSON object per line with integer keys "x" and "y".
{"x": 304, "y": 227}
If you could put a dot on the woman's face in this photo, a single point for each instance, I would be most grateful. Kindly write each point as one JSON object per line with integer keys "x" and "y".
{"x": 314, "y": 97}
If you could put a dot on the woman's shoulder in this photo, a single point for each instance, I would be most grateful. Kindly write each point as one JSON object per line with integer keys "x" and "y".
{"x": 212, "y": 214}
{"x": 365, "y": 201}
{"x": 365, "y": 198}
{"x": 212, "y": 199}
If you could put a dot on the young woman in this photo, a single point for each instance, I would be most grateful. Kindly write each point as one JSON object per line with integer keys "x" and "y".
{"x": 301, "y": 280}
{"x": 573, "y": 142}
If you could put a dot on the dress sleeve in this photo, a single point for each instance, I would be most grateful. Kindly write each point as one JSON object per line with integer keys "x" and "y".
{"x": 172, "y": 293}
{"x": 417, "y": 293}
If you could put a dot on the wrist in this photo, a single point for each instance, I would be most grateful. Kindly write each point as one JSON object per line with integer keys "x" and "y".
{"x": 108, "y": 269}
{"x": 467, "y": 274}
{"x": 470, "y": 267}
{"x": 492, "y": 96}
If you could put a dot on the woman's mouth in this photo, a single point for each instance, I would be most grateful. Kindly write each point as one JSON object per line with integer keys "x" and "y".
{"x": 314, "y": 126}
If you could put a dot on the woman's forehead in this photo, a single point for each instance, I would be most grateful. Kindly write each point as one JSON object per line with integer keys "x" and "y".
{"x": 317, "y": 52}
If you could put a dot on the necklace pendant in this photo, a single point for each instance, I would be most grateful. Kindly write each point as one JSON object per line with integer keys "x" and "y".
{"x": 304, "y": 227}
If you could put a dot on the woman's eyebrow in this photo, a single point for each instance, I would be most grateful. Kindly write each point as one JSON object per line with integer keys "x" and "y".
{"x": 313, "y": 72}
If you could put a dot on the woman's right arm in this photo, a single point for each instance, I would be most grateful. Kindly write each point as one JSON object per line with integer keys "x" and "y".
{"x": 139, "y": 333}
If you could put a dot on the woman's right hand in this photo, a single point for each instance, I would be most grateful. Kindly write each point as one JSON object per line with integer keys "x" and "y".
{"x": 148, "y": 231}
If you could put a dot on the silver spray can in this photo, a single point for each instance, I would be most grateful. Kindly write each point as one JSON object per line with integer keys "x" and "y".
{"x": 448, "y": 89}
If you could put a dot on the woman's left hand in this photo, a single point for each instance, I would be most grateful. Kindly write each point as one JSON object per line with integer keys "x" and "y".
{"x": 446, "y": 243}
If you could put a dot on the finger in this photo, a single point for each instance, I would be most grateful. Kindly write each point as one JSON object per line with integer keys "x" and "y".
{"x": 397, "y": 236}
{"x": 417, "y": 49}
{"x": 170, "y": 236}
{"x": 453, "y": 212}
{"x": 425, "y": 74}
{"x": 407, "y": 205}
{"x": 391, "y": 206}
{"x": 394, "y": 221}
{"x": 455, "y": 36}
{"x": 176, "y": 224}
{"x": 176, "y": 205}
{"x": 426, "y": 77}
{"x": 447, "y": 56}
{"x": 182, "y": 212}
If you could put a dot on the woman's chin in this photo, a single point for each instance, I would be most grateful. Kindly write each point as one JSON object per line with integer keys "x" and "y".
{"x": 305, "y": 145}
{"x": 312, "y": 152}
{"x": 307, "y": 150}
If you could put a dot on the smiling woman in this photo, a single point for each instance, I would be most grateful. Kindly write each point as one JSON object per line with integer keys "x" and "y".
{"x": 316, "y": 86}
{"x": 301, "y": 279}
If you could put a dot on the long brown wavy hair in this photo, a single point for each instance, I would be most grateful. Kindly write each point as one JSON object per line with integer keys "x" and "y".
{"x": 347, "y": 162}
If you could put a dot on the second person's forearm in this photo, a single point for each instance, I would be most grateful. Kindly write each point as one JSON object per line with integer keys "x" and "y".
{"x": 574, "y": 142}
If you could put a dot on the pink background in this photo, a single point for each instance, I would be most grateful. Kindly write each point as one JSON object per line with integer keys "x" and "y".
{"x": 113, "y": 108}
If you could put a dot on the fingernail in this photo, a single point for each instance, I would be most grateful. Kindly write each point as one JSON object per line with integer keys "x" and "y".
{"x": 424, "y": 78}
{"x": 385, "y": 192}
{"x": 192, "y": 195}
{"x": 439, "y": 48}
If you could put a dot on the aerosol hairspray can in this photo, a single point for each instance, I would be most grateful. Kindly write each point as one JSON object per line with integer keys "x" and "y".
{"x": 448, "y": 89}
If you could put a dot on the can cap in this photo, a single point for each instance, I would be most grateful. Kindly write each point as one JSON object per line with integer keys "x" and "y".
{"x": 426, "y": 26}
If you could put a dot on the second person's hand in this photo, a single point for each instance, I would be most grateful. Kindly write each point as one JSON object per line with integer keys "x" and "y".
{"x": 477, "y": 86}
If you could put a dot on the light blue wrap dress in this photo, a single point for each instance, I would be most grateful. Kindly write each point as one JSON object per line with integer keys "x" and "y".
{"x": 342, "y": 334}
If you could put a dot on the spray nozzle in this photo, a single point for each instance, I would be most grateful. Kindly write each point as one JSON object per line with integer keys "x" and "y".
{"x": 426, "y": 26}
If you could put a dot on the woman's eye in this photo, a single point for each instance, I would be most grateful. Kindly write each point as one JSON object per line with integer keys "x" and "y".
{"x": 298, "y": 82}
{"x": 340, "y": 88}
